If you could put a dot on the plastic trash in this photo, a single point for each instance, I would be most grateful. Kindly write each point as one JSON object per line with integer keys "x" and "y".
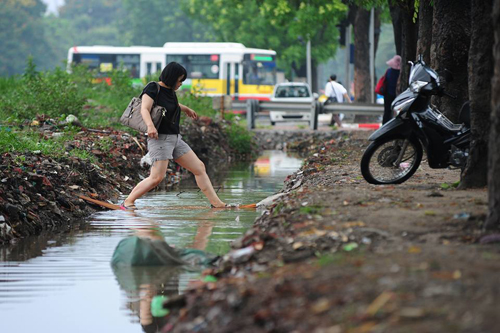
{"x": 350, "y": 246}
{"x": 462, "y": 216}
{"x": 157, "y": 309}
{"x": 209, "y": 278}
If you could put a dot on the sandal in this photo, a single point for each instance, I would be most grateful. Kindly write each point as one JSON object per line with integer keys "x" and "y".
{"x": 131, "y": 207}
{"x": 226, "y": 206}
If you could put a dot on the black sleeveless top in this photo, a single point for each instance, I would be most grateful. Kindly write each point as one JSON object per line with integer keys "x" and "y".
{"x": 168, "y": 99}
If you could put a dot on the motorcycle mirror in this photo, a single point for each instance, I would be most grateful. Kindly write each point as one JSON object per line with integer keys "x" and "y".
{"x": 448, "y": 75}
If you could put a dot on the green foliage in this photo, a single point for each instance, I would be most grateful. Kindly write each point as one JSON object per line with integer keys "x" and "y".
{"x": 240, "y": 139}
{"x": 22, "y": 33}
{"x": 201, "y": 104}
{"x": 154, "y": 23}
{"x": 281, "y": 25}
{"x": 52, "y": 93}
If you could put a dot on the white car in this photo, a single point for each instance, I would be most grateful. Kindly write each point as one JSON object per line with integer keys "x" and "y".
{"x": 291, "y": 92}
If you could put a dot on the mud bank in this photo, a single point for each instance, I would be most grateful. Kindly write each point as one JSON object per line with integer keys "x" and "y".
{"x": 335, "y": 254}
{"x": 39, "y": 193}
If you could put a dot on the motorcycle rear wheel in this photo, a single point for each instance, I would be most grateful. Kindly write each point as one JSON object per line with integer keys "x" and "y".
{"x": 378, "y": 164}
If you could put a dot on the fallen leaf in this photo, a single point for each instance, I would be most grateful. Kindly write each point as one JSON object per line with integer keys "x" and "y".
{"x": 414, "y": 249}
{"x": 412, "y": 312}
{"x": 320, "y": 306}
{"x": 379, "y": 302}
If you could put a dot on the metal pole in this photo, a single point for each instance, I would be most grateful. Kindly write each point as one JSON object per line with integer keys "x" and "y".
{"x": 372, "y": 54}
{"x": 348, "y": 59}
{"x": 308, "y": 60}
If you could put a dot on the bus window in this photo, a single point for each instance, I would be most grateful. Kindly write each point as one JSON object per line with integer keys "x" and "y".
{"x": 149, "y": 66}
{"x": 104, "y": 63}
{"x": 198, "y": 66}
{"x": 158, "y": 67}
{"x": 259, "y": 70}
{"x": 130, "y": 62}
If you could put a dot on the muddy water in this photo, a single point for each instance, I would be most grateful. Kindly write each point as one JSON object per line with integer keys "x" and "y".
{"x": 64, "y": 283}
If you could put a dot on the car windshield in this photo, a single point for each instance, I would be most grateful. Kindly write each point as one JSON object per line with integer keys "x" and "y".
{"x": 292, "y": 91}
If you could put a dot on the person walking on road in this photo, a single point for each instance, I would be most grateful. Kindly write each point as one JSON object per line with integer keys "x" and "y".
{"x": 391, "y": 82}
{"x": 336, "y": 93}
{"x": 165, "y": 143}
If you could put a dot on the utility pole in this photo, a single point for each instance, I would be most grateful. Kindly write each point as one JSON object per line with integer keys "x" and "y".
{"x": 308, "y": 60}
{"x": 372, "y": 55}
{"x": 348, "y": 59}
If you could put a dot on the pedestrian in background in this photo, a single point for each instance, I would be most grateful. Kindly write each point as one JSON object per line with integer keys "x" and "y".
{"x": 336, "y": 93}
{"x": 391, "y": 82}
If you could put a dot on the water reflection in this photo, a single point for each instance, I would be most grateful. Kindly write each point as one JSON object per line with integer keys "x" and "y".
{"x": 64, "y": 282}
{"x": 147, "y": 269}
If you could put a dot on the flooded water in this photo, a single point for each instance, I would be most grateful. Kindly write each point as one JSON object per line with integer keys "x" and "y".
{"x": 65, "y": 283}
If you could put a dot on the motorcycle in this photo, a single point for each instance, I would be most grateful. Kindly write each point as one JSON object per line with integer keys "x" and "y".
{"x": 397, "y": 147}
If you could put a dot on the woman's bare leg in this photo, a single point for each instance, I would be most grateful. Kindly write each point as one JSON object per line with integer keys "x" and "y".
{"x": 158, "y": 171}
{"x": 193, "y": 164}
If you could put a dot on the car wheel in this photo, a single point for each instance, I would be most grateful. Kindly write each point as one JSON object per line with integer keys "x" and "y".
{"x": 273, "y": 123}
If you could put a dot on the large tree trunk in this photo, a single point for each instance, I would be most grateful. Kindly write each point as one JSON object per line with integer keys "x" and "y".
{"x": 409, "y": 46}
{"x": 493, "y": 220}
{"x": 451, "y": 39}
{"x": 425, "y": 14}
{"x": 395, "y": 11}
{"x": 362, "y": 87}
{"x": 480, "y": 72}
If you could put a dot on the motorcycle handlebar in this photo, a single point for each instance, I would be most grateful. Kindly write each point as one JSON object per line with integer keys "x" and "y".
{"x": 449, "y": 95}
{"x": 444, "y": 93}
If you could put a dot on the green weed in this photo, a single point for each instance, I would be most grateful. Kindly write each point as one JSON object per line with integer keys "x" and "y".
{"x": 240, "y": 139}
{"x": 310, "y": 210}
{"x": 33, "y": 142}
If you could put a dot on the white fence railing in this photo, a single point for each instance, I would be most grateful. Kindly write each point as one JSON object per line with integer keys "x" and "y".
{"x": 253, "y": 107}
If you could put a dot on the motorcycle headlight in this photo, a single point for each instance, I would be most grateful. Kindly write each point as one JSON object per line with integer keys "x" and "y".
{"x": 417, "y": 85}
{"x": 402, "y": 106}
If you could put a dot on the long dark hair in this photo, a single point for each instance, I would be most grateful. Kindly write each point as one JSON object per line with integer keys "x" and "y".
{"x": 171, "y": 73}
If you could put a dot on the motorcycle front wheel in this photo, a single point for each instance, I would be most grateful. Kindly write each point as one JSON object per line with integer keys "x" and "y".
{"x": 391, "y": 160}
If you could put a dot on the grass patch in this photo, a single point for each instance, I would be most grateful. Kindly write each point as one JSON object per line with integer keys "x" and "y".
{"x": 34, "y": 142}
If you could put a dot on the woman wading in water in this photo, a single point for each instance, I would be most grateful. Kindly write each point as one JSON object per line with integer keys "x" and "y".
{"x": 165, "y": 143}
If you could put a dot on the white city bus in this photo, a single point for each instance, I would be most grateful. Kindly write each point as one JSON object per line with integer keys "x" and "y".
{"x": 213, "y": 68}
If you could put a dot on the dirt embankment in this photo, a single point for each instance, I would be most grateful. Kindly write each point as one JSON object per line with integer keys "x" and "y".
{"x": 335, "y": 254}
{"x": 38, "y": 193}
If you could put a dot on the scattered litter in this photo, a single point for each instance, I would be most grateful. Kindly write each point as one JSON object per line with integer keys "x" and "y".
{"x": 241, "y": 255}
{"x": 462, "y": 216}
{"x": 350, "y": 246}
{"x": 157, "y": 309}
{"x": 209, "y": 278}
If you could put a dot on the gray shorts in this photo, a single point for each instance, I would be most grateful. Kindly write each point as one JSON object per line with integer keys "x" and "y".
{"x": 167, "y": 147}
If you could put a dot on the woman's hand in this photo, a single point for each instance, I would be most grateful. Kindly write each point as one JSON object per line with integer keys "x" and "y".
{"x": 152, "y": 132}
{"x": 190, "y": 113}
